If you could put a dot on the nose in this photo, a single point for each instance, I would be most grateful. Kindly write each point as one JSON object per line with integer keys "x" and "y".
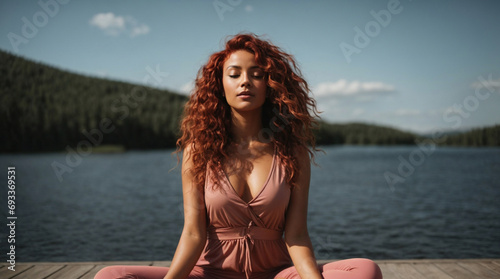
{"x": 245, "y": 81}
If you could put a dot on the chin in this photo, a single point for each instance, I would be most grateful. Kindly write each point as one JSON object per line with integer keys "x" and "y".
{"x": 246, "y": 108}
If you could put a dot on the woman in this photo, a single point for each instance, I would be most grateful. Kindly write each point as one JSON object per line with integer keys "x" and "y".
{"x": 247, "y": 141}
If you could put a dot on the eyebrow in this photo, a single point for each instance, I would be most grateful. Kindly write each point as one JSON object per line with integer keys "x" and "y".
{"x": 239, "y": 67}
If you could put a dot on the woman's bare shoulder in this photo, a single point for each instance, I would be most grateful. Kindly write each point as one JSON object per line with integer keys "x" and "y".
{"x": 302, "y": 153}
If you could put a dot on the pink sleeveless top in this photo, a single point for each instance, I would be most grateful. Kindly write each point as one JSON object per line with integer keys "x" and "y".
{"x": 246, "y": 238}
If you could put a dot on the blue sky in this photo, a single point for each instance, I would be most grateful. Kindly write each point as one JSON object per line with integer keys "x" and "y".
{"x": 415, "y": 65}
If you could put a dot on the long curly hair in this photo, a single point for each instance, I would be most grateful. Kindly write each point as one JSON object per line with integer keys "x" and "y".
{"x": 288, "y": 114}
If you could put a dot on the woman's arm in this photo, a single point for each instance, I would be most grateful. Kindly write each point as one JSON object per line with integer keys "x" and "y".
{"x": 194, "y": 233}
{"x": 296, "y": 235}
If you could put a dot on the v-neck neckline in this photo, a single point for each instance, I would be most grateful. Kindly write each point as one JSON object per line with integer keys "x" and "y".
{"x": 262, "y": 188}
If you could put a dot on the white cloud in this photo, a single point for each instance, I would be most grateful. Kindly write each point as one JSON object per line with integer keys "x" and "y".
{"x": 344, "y": 88}
{"x": 248, "y": 8}
{"x": 115, "y": 25}
{"x": 139, "y": 30}
{"x": 187, "y": 88}
{"x": 108, "y": 20}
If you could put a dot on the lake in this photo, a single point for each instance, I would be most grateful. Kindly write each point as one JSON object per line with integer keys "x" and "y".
{"x": 376, "y": 202}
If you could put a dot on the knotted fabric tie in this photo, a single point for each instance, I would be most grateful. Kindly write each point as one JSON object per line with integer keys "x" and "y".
{"x": 248, "y": 234}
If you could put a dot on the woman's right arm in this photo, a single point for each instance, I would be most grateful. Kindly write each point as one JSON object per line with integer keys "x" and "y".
{"x": 194, "y": 232}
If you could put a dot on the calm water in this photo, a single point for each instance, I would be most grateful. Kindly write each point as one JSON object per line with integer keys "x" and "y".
{"x": 129, "y": 206}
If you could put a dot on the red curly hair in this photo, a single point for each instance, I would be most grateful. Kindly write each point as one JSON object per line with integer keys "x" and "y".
{"x": 288, "y": 113}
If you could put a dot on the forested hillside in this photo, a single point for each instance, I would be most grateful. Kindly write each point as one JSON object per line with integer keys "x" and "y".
{"x": 43, "y": 108}
{"x": 361, "y": 134}
{"x": 46, "y": 109}
{"x": 487, "y": 136}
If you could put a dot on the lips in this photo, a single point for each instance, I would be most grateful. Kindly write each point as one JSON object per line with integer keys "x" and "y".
{"x": 245, "y": 93}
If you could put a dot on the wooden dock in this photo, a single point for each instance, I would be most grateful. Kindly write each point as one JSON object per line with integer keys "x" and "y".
{"x": 391, "y": 269}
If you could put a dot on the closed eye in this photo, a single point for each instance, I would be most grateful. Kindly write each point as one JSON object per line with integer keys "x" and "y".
{"x": 256, "y": 76}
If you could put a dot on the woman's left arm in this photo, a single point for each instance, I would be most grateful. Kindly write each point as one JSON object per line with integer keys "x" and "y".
{"x": 296, "y": 235}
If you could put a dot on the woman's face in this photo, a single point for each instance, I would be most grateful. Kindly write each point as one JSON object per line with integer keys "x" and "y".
{"x": 244, "y": 82}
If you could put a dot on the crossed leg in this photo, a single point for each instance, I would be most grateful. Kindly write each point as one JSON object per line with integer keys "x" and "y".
{"x": 141, "y": 272}
{"x": 345, "y": 269}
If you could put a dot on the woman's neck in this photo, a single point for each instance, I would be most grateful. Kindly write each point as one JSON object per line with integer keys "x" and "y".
{"x": 246, "y": 126}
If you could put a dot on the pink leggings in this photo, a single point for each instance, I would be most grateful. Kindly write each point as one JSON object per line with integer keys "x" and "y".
{"x": 344, "y": 269}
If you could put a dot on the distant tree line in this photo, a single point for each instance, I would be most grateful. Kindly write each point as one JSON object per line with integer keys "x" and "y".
{"x": 487, "y": 136}
{"x": 43, "y": 108}
{"x": 361, "y": 134}
{"x": 46, "y": 109}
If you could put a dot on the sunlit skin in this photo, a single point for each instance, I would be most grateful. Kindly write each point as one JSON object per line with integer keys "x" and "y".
{"x": 248, "y": 170}
{"x": 245, "y": 91}
{"x": 244, "y": 82}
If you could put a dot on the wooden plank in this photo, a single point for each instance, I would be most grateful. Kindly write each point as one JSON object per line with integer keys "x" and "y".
{"x": 162, "y": 263}
{"x": 415, "y": 261}
{"x": 456, "y": 271}
{"x": 479, "y": 269}
{"x": 391, "y": 269}
{"x": 7, "y": 273}
{"x": 39, "y": 271}
{"x": 92, "y": 272}
{"x": 71, "y": 271}
{"x": 405, "y": 271}
{"x": 435, "y": 260}
{"x": 387, "y": 273}
{"x": 431, "y": 271}
{"x": 492, "y": 265}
